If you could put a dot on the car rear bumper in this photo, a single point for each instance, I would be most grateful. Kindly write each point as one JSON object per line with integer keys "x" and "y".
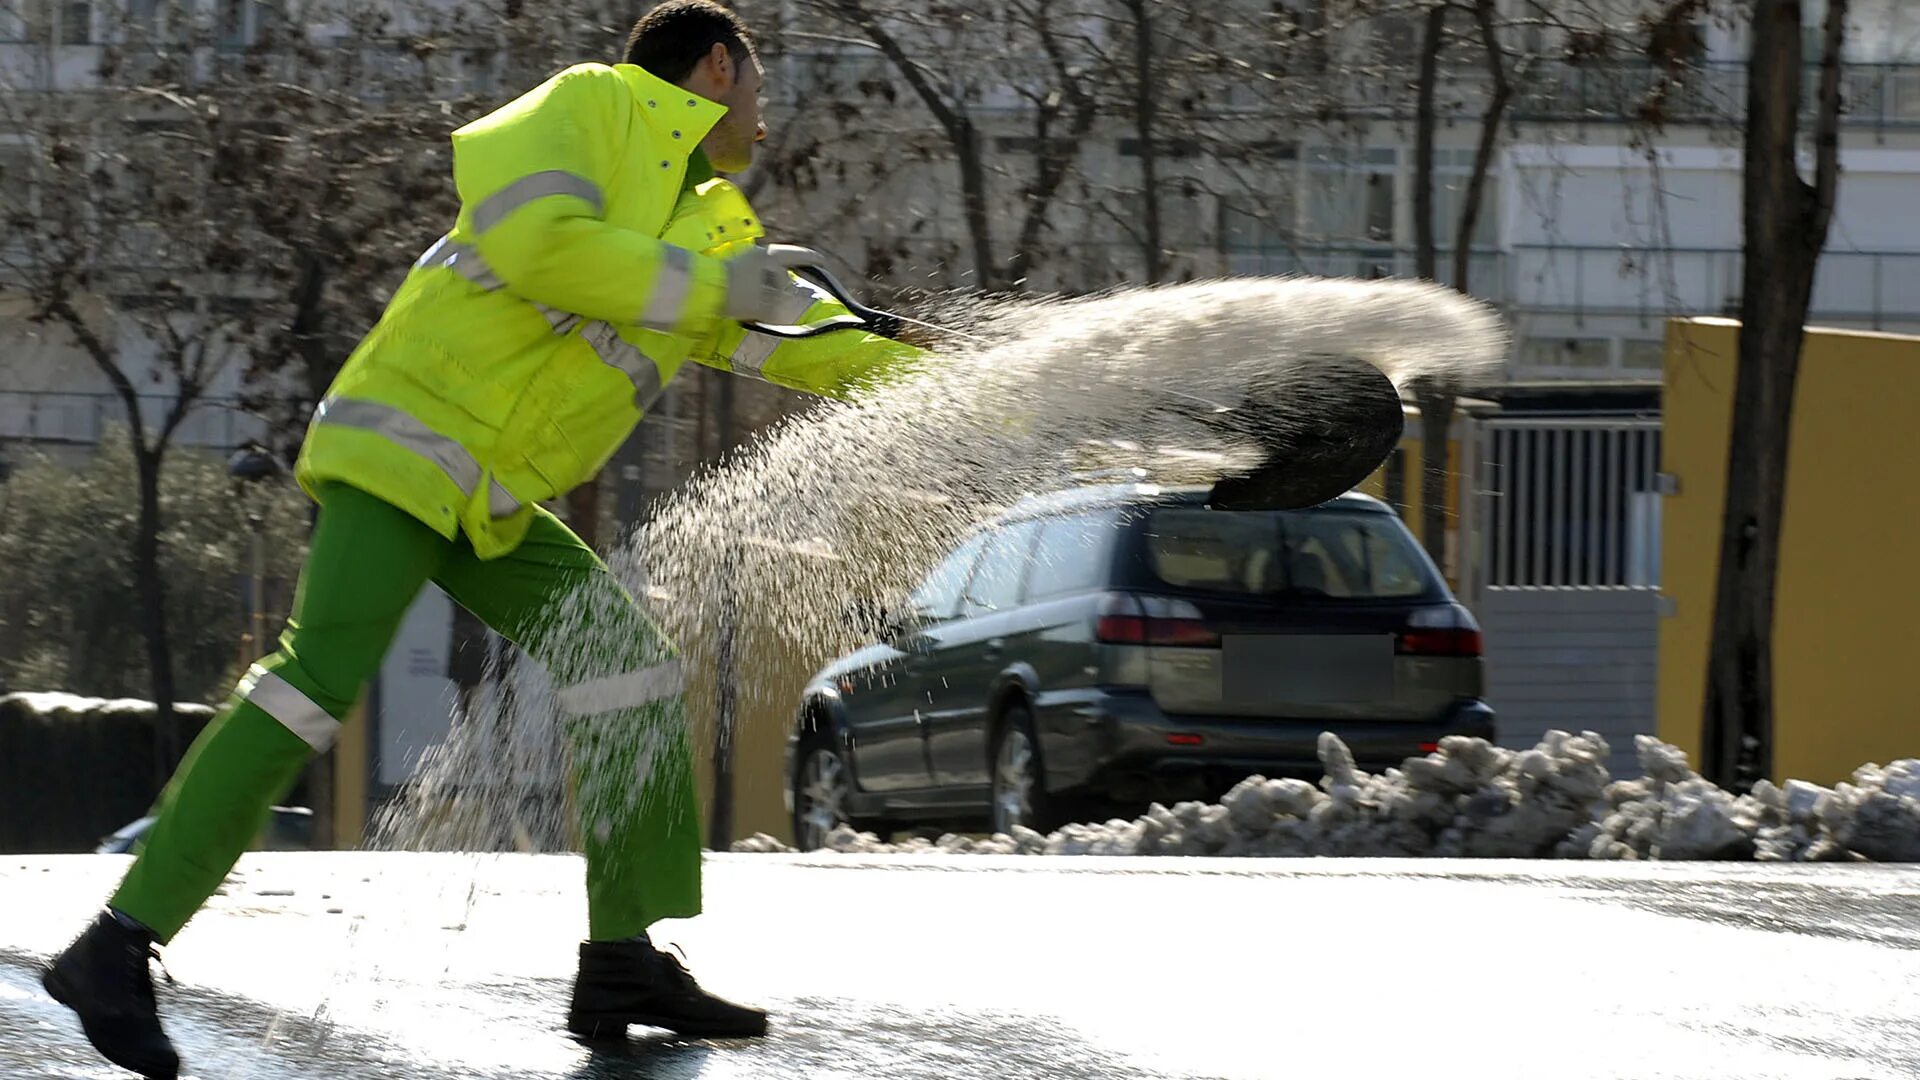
{"x": 1123, "y": 747}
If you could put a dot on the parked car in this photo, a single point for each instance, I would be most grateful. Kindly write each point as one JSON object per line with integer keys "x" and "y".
{"x": 1093, "y": 651}
{"x": 290, "y": 828}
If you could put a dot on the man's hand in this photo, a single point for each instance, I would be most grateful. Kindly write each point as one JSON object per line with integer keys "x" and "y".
{"x": 759, "y": 288}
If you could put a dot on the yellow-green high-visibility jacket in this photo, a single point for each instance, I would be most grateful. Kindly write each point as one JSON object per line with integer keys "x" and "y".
{"x": 586, "y": 265}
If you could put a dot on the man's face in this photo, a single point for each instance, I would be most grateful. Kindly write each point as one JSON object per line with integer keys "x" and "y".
{"x": 729, "y": 145}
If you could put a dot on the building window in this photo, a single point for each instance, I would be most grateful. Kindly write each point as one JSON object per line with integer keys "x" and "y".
{"x": 16, "y": 181}
{"x": 1588, "y": 353}
{"x": 1643, "y": 355}
{"x": 244, "y": 23}
{"x": 1263, "y": 224}
{"x": 1452, "y": 170}
{"x": 1351, "y": 197}
{"x": 76, "y": 22}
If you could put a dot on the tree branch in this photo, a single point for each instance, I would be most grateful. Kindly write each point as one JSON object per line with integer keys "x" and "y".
{"x": 1826, "y": 123}
{"x": 61, "y": 308}
{"x": 1490, "y": 121}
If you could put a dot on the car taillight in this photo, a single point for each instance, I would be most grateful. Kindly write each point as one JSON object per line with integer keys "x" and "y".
{"x": 1440, "y": 630}
{"x": 1125, "y": 619}
{"x": 1451, "y": 641}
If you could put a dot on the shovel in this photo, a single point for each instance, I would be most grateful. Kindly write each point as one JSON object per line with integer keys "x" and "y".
{"x": 1322, "y": 430}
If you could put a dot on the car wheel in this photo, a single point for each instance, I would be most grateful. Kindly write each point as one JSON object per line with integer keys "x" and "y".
{"x": 1019, "y": 795}
{"x": 821, "y": 785}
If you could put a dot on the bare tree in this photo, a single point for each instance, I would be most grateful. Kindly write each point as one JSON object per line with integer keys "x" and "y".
{"x": 1437, "y": 397}
{"x": 1784, "y": 222}
{"x": 953, "y": 57}
{"x": 129, "y": 247}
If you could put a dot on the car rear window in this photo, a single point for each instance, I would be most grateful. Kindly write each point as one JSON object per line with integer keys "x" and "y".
{"x": 1071, "y": 556}
{"x": 1319, "y": 554}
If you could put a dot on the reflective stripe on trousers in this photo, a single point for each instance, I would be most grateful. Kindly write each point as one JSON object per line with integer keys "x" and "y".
{"x": 294, "y": 710}
{"x": 624, "y": 691}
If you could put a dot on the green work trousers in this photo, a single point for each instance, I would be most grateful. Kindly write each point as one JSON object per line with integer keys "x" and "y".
{"x": 618, "y": 680}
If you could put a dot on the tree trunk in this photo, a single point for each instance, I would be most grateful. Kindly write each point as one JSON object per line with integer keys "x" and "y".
{"x": 1436, "y": 405}
{"x": 953, "y": 120}
{"x": 150, "y": 590}
{"x": 1052, "y": 155}
{"x": 1426, "y": 259}
{"x": 1145, "y": 126}
{"x": 725, "y": 422}
{"x": 726, "y": 697}
{"x": 583, "y": 511}
{"x": 308, "y": 330}
{"x": 973, "y": 197}
{"x": 1785, "y": 221}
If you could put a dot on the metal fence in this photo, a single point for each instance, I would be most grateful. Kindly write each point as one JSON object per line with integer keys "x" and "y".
{"x": 1569, "y": 503}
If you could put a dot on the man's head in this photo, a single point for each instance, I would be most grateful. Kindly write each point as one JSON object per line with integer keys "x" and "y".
{"x": 705, "y": 48}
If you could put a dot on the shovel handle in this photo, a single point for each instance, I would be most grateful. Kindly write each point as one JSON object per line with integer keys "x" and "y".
{"x": 810, "y": 265}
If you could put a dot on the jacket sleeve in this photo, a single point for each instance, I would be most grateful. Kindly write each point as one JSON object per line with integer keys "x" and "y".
{"x": 532, "y": 176}
{"x": 838, "y": 364}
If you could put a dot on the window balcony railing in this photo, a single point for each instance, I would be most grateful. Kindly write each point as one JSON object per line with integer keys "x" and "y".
{"x": 1873, "y": 95}
{"x": 1874, "y": 288}
{"x": 1485, "y": 269}
{"x": 1871, "y": 288}
{"x": 82, "y": 418}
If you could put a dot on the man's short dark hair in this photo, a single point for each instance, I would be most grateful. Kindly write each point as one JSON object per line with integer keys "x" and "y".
{"x": 669, "y": 40}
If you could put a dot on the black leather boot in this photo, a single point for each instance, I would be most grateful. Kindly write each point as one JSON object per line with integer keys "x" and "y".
{"x": 103, "y": 976}
{"x": 631, "y": 982}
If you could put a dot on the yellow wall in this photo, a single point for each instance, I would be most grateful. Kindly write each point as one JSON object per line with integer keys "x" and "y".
{"x": 1845, "y": 632}
{"x": 759, "y": 743}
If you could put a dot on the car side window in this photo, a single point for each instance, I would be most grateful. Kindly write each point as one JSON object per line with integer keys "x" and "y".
{"x": 997, "y": 579}
{"x": 1071, "y": 555}
{"x": 938, "y": 597}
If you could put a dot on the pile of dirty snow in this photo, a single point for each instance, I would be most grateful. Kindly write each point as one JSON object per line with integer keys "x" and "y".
{"x": 1471, "y": 799}
{"x": 59, "y": 705}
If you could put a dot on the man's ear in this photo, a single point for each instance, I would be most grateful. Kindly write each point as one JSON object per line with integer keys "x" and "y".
{"x": 724, "y": 72}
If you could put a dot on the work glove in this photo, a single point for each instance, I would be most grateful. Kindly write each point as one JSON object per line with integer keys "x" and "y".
{"x": 759, "y": 287}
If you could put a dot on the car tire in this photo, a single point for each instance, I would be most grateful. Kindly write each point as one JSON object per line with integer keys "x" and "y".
{"x": 1019, "y": 793}
{"x": 822, "y": 780}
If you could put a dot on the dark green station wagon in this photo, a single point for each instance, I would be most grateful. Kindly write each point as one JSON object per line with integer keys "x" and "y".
{"x": 1092, "y": 651}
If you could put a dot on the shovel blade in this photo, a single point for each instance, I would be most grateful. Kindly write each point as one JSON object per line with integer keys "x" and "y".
{"x": 1322, "y": 430}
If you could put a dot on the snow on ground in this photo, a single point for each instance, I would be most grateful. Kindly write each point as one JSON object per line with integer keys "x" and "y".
{"x": 54, "y": 703}
{"x": 1472, "y": 799}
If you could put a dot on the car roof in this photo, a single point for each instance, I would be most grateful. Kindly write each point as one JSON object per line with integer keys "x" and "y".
{"x": 1094, "y": 497}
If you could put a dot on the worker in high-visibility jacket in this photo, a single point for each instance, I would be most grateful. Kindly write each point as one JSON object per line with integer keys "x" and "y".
{"x": 595, "y": 252}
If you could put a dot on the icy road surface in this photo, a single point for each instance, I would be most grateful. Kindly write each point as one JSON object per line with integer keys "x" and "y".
{"x": 429, "y": 966}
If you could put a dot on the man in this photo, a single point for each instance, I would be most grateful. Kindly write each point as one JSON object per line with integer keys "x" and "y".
{"x": 594, "y": 253}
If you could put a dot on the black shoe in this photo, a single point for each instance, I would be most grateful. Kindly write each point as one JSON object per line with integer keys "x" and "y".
{"x": 631, "y": 982}
{"x": 103, "y": 976}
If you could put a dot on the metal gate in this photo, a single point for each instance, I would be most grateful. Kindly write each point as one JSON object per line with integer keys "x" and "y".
{"x": 1565, "y": 551}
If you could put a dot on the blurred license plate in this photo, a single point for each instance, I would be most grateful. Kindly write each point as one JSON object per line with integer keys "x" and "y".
{"x": 1306, "y": 667}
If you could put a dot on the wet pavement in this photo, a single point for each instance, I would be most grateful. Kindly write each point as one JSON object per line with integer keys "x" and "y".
{"x": 354, "y": 965}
